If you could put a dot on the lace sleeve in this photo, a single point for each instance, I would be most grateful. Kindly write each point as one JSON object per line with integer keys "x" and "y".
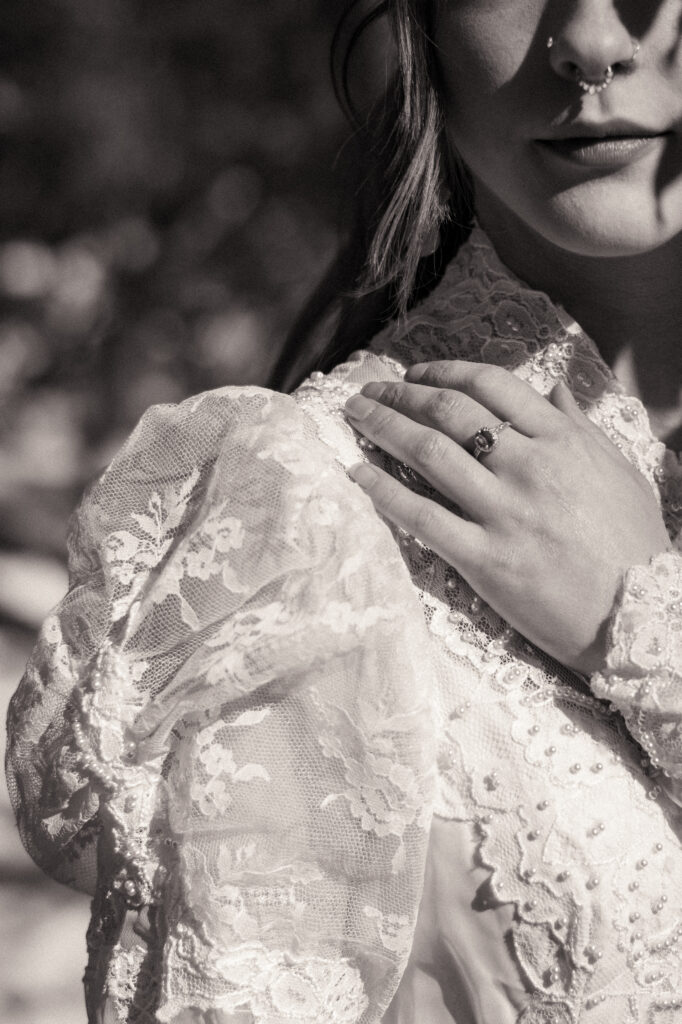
{"x": 53, "y": 799}
{"x": 119, "y": 534}
{"x": 643, "y": 674}
{"x": 251, "y": 716}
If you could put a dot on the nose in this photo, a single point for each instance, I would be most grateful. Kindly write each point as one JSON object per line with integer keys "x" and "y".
{"x": 591, "y": 39}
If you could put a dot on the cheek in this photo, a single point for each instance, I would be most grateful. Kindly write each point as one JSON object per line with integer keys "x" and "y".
{"x": 500, "y": 94}
{"x": 483, "y": 47}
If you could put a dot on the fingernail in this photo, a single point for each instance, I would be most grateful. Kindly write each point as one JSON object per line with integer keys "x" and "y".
{"x": 362, "y": 474}
{"x": 415, "y": 372}
{"x": 358, "y": 407}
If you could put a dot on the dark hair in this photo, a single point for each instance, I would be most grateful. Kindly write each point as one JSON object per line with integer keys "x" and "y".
{"x": 411, "y": 189}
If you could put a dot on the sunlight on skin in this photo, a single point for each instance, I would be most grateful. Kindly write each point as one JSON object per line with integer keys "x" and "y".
{"x": 606, "y": 242}
{"x": 581, "y": 194}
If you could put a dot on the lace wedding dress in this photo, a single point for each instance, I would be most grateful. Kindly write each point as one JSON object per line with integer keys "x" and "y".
{"x": 306, "y": 773}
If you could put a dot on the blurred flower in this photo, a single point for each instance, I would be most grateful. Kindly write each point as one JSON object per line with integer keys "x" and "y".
{"x": 13, "y": 104}
{"x": 235, "y": 194}
{"x": 23, "y": 355}
{"x": 282, "y": 240}
{"x": 149, "y": 387}
{"x": 143, "y": 142}
{"x": 44, "y": 445}
{"x": 234, "y": 342}
{"x": 27, "y": 269}
{"x": 30, "y": 586}
{"x": 197, "y": 292}
{"x": 131, "y": 244}
{"x": 159, "y": 336}
{"x": 78, "y": 291}
{"x": 285, "y": 134}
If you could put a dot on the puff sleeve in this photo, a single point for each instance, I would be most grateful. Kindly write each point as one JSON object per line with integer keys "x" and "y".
{"x": 232, "y": 705}
{"x": 643, "y": 674}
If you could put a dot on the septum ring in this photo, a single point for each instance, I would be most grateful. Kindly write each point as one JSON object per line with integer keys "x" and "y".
{"x": 590, "y": 86}
{"x": 486, "y": 438}
{"x": 594, "y": 87}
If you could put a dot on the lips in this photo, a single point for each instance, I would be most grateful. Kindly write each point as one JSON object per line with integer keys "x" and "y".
{"x": 615, "y": 126}
{"x": 603, "y": 146}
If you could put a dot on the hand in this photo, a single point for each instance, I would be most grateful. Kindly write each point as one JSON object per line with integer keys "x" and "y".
{"x": 555, "y": 514}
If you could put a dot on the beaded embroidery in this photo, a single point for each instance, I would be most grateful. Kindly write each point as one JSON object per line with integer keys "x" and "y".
{"x": 479, "y": 312}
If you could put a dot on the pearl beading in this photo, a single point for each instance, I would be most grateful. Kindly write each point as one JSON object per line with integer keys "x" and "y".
{"x": 559, "y": 354}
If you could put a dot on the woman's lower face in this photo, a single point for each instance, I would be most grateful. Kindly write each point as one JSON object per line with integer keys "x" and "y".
{"x": 589, "y": 161}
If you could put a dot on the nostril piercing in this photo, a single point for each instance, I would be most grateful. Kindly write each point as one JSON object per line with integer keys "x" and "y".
{"x": 635, "y": 50}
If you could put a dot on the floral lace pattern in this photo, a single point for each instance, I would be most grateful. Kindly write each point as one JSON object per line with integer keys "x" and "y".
{"x": 555, "y": 829}
{"x": 245, "y": 781}
{"x": 643, "y": 676}
{"x": 256, "y": 694}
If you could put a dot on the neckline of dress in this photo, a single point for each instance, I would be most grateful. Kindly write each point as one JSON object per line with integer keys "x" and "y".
{"x": 465, "y": 261}
{"x": 482, "y": 312}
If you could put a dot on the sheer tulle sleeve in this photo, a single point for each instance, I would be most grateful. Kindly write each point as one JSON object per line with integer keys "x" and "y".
{"x": 643, "y": 673}
{"x": 236, "y": 692}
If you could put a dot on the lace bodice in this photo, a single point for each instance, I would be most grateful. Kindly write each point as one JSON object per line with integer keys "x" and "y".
{"x": 262, "y": 718}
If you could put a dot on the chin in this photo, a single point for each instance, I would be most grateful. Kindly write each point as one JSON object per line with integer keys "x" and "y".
{"x": 626, "y": 213}
{"x": 608, "y": 216}
{"x": 606, "y": 224}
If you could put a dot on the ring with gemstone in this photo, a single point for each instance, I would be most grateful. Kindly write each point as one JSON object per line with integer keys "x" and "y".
{"x": 486, "y": 438}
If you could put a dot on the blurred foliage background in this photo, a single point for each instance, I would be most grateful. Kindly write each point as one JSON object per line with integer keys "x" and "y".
{"x": 169, "y": 195}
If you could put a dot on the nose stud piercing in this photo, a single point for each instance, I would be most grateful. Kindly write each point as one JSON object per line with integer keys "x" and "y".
{"x": 592, "y": 86}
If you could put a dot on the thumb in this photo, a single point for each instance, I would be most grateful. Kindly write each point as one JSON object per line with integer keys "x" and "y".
{"x": 561, "y": 397}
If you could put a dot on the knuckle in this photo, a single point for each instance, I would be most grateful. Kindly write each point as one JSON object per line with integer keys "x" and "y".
{"x": 386, "y": 495}
{"x": 526, "y": 518}
{"x": 575, "y": 442}
{"x": 429, "y": 448}
{"x": 437, "y": 375}
{"x": 380, "y": 418}
{"x": 389, "y": 394}
{"x": 425, "y": 521}
{"x": 444, "y": 405}
{"x": 486, "y": 379}
{"x": 502, "y": 559}
{"x": 496, "y": 374}
{"x": 559, "y": 460}
{"x": 544, "y": 470}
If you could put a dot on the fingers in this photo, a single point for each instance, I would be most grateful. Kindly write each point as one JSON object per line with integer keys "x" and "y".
{"x": 564, "y": 401}
{"x": 561, "y": 397}
{"x": 460, "y": 543}
{"x": 494, "y": 388}
{"x": 451, "y": 412}
{"x": 442, "y": 462}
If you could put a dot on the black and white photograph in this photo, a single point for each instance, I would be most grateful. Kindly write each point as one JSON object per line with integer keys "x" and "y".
{"x": 341, "y": 511}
